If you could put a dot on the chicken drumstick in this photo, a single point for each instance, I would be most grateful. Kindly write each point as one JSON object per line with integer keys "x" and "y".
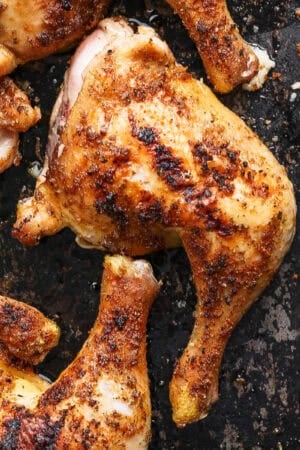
{"x": 102, "y": 399}
{"x": 227, "y": 58}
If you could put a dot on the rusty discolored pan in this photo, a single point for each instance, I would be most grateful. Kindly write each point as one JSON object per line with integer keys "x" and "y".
{"x": 257, "y": 408}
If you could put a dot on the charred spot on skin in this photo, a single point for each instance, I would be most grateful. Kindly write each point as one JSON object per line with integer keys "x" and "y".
{"x": 44, "y": 39}
{"x": 9, "y": 441}
{"x": 120, "y": 321}
{"x": 202, "y": 156}
{"x": 109, "y": 206}
{"x": 66, "y": 5}
{"x": 12, "y": 314}
{"x": 151, "y": 213}
{"x": 169, "y": 167}
{"x": 221, "y": 227}
{"x": 231, "y": 155}
{"x": 144, "y": 134}
{"x": 262, "y": 190}
{"x": 222, "y": 182}
{"x": 203, "y": 198}
{"x": 105, "y": 178}
{"x": 201, "y": 27}
{"x": 215, "y": 267}
{"x": 48, "y": 431}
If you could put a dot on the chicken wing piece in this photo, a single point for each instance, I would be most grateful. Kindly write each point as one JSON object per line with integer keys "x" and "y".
{"x": 26, "y": 336}
{"x": 142, "y": 156}
{"x": 102, "y": 400}
{"x": 227, "y": 58}
{"x": 31, "y": 29}
{"x": 16, "y": 115}
{"x": 25, "y": 331}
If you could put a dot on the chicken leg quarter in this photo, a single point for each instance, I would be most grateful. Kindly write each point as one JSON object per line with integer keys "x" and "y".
{"x": 141, "y": 156}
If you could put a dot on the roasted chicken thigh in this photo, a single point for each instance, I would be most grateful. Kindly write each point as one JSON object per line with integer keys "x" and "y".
{"x": 142, "y": 156}
{"x": 101, "y": 401}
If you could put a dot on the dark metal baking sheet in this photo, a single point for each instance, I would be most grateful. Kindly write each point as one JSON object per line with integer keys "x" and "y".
{"x": 257, "y": 408}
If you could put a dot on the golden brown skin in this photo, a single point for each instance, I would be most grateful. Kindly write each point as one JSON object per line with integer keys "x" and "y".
{"x": 25, "y": 331}
{"x": 33, "y": 29}
{"x": 148, "y": 158}
{"x": 20, "y": 389}
{"x": 26, "y": 336}
{"x": 16, "y": 115}
{"x": 227, "y": 58}
{"x": 102, "y": 400}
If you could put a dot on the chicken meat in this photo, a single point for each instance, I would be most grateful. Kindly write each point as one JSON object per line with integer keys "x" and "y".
{"x": 26, "y": 336}
{"x": 25, "y": 331}
{"x": 142, "y": 156}
{"x": 31, "y": 29}
{"x": 102, "y": 400}
{"x": 227, "y": 58}
{"x": 16, "y": 115}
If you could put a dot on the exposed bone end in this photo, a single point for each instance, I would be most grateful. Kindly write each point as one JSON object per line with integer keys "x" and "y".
{"x": 241, "y": 65}
{"x": 191, "y": 402}
{"x": 137, "y": 272}
{"x": 8, "y": 61}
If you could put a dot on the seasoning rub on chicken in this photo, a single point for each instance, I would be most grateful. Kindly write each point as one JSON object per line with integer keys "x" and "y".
{"x": 102, "y": 400}
{"x": 31, "y": 29}
{"x": 142, "y": 156}
{"x": 227, "y": 58}
{"x": 16, "y": 115}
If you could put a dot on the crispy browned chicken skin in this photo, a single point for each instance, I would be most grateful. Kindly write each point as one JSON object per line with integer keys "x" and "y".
{"x": 26, "y": 336}
{"x": 25, "y": 331}
{"x": 227, "y": 58}
{"x": 142, "y": 156}
{"x": 16, "y": 115}
{"x": 33, "y": 29}
{"x": 102, "y": 400}
{"x": 30, "y": 30}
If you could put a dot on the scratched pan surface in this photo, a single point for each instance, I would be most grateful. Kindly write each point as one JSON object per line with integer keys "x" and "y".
{"x": 257, "y": 408}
